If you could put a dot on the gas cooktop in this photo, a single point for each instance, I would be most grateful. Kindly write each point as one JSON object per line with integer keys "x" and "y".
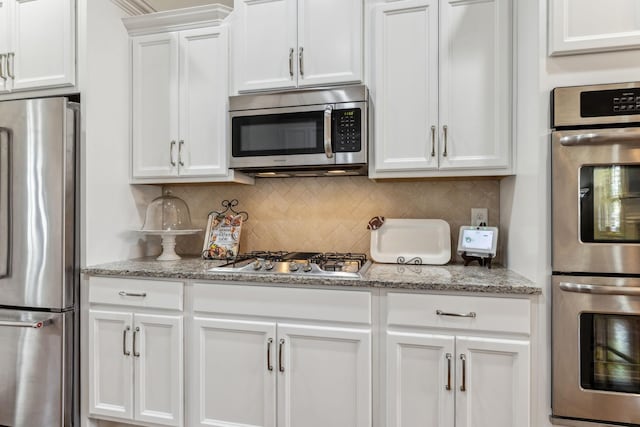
{"x": 328, "y": 264}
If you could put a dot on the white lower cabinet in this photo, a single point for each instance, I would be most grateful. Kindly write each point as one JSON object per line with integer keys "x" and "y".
{"x": 280, "y": 372}
{"x": 135, "y": 356}
{"x": 439, "y": 377}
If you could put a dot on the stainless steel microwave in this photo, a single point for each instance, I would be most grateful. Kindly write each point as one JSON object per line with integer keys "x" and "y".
{"x": 310, "y": 132}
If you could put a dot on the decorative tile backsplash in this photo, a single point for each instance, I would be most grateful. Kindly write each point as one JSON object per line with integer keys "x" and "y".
{"x": 331, "y": 214}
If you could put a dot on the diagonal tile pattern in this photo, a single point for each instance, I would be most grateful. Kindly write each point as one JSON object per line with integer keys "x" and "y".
{"x": 331, "y": 214}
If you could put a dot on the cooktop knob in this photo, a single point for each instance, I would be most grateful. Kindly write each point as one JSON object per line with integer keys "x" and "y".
{"x": 268, "y": 265}
{"x": 293, "y": 266}
{"x": 307, "y": 267}
{"x": 257, "y": 265}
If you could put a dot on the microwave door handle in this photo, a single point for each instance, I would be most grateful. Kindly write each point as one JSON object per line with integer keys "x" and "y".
{"x": 328, "y": 110}
{"x": 629, "y": 136}
{"x": 600, "y": 290}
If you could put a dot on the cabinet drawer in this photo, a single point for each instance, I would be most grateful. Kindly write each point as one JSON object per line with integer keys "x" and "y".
{"x": 294, "y": 303}
{"x": 136, "y": 293}
{"x": 491, "y": 314}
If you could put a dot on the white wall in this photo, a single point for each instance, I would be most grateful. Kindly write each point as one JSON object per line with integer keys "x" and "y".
{"x": 112, "y": 208}
{"x": 525, "y": 199}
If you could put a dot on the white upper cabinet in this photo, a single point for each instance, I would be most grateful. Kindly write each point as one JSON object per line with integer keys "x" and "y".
{"x": 581, "y": 26}
{"x": 442, "y": 88}
{"x": 37, "y": 44}
{"x": 179, "y": 90}
{"x": 280, "y": 44}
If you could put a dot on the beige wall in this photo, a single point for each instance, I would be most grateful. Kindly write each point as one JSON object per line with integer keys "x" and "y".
{"x": 331, "y": 214}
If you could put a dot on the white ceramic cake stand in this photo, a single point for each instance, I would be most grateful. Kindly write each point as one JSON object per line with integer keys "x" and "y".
{"x": 169, "y": 242}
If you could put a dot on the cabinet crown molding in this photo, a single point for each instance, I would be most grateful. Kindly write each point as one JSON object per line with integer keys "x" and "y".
{"x": 134, "y": 7}
{"x": 176, "y": 20}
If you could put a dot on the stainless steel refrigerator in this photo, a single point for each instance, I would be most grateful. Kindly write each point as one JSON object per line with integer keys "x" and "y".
{"x": 39, "y": 274}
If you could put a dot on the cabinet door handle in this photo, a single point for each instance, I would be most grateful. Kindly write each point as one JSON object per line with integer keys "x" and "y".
{"x": 448, "y": 386}
{"x": 445, "y": 130}
{"x": 269, "y": 365}
{"x": 136, "y": 353}
{"x": 10, "y": 65}
{"x": 173, "y": 143}
{"x": 280, "y": 351}
{"x": 124, "y": 341}
{"x": 301, "y": 61}
{"x": 463, "y": 386}
{"x": 291, "y": 62}
{"x": 433, "y": 141}
{"x": 180, "y": 144}
{"x": 3, "y": 59}
{"x": 444, "y": 313}
{"x": 132, "y": 294}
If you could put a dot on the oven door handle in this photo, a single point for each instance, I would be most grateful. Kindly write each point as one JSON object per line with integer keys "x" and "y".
{"x": 601, "y": 290}
{"x": 629, "y": 136}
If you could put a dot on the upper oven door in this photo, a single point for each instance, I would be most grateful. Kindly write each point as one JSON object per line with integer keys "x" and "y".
{"x": 596, "y": 201}
{"x": 280, "y": 137}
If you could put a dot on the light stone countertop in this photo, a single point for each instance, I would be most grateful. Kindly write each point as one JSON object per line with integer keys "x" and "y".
{"x": 449, "y": 278}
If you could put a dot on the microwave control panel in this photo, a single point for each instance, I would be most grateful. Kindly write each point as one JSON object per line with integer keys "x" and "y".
{"x": 347, "y": 132}
{"x": 616, "y": 102}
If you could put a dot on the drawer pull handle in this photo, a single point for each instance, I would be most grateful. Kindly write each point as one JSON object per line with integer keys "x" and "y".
{"x": 132, "y": 294}
{"x": 444, "y": 313}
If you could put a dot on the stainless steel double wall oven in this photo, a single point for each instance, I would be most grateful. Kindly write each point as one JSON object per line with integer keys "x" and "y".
{"x": 596, "y": 255}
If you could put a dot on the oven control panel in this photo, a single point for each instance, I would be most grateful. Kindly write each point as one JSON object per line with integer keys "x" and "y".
{"x": 615, "y": 102}
{"x": 347, "y": 132}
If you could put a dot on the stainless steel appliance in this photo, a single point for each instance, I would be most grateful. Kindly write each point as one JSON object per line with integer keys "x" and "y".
{"x": 38, "y": 263}
{"x": 311, "y": 132}
{"x": 596, "y": 253}
{"x": 329, "y": 264}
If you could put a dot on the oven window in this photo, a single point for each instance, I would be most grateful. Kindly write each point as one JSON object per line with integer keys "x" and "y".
{"x": 610, "y": 352}
{"x": 610, "y": 204}
{"x": 278, "y": 134}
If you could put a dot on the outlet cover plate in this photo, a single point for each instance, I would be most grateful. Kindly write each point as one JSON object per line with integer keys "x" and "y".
{"x": 479, "y": 215}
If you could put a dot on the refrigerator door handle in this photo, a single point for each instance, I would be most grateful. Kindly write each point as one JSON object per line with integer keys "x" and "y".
{"x": 26, "y": 324}
{"x": 5, "y": 220}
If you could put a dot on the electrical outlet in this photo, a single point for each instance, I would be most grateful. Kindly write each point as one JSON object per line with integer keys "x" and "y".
{"x": 479, "y": 216}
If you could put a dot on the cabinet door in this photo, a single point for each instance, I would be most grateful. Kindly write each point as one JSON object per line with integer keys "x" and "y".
{"x": 496, "y": 382}
{"x": 110, "y": 364}
{"x": 420, "y": 380}
{"x": 324, "y": 376}
{"x": 580, "y": 26}
{"x": 265, "y": 46}
{"x": 157, "y": 351}
{"x": 5, "y": 31}
{"x": 154, "y": 89}
{"x": 406, "y": 86}
{"x": 203, "y": 102}
{"x": 43, "y": 41}
{"x": 475, "y": 84}
{"x": 329, "y": 42}
{"x": 233, "y": 373}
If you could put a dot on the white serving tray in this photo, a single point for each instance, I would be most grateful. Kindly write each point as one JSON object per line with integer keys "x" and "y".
{"x": 415, "y": 241}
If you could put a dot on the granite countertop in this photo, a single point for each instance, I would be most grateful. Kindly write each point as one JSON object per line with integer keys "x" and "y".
{"x": 451, "y": 277}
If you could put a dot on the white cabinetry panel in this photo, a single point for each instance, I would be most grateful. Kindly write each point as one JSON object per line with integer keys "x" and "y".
{"x": 581, "y": 26}
{"x": 155, "y": 105}
{"x": 406, "y": 86}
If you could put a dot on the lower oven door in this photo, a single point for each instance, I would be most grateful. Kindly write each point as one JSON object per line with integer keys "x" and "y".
{"x": 36, "y": 369}
{"x": 596, "y": 348}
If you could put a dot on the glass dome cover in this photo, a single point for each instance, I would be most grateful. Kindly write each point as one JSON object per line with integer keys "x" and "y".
{"x": 167, "y": 213}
